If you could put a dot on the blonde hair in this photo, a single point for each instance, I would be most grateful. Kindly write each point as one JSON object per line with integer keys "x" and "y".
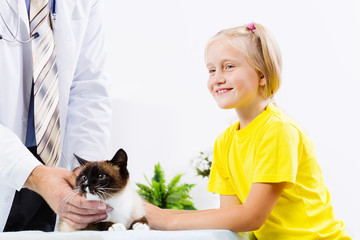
{"x": 260, "y": 50}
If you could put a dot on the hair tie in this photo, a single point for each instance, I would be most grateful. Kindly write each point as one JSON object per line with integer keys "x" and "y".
{"x": 251, "y": 26}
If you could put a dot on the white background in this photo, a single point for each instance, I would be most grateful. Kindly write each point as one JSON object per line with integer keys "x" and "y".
{"x": 164, "y": 113}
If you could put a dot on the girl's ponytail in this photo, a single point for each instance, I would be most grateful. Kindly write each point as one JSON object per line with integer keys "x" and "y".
{"x": 272, "y": 60}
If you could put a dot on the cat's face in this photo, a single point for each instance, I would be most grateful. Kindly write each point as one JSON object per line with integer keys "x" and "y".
{"x": 103, "y": 178}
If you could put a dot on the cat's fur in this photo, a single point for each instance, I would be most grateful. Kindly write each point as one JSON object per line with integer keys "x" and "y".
{"x": 108, "y": 181}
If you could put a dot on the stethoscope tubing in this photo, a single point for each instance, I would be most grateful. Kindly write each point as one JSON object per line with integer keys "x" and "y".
{"x": 15, "y": 36}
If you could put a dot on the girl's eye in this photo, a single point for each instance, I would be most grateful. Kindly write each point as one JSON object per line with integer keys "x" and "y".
{"x": 101, "y": 176}
{"x": 229, "y": 66}
{"x": 211, "y": 71}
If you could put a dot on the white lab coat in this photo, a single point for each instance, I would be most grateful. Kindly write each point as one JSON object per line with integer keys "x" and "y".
{"x": 84, "y": 100}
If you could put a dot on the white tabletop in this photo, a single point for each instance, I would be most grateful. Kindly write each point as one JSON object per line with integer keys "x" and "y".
{"x": 128, "y": 235}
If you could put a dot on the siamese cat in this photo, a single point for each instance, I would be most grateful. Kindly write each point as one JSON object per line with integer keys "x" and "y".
{"x": 108, "y": 181}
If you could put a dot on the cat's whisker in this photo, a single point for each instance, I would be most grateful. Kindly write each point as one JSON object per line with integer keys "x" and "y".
{"x": 70, "y": 195}
{"x": 104, "y": 191}
{"x": 69, "y": 201}
{"x": 115, "y": 189}
{"x": 97, "y": 186}
{"x": 102, "y": 194}
{"x": 102, "y": 197}
{"x": 107, "y": 194}
{"x": 66, "y": 200}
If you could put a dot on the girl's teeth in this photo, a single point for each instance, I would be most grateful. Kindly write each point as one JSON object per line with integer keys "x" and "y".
{"x": 221, "y": 91}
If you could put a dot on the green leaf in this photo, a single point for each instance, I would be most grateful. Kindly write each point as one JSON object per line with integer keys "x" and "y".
{"x": 144, "y": 188}
{"x": 159, "y": 175}
{"x": 174, "y": 182}
{"x": 147, "y": 180}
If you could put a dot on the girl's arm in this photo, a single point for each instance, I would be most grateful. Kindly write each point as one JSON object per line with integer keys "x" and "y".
{"x": 225, "y": 201}
{"x": 232, "y": 215}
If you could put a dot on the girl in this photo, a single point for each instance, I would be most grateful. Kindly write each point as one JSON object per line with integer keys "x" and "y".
{"x": 264, "y": 167}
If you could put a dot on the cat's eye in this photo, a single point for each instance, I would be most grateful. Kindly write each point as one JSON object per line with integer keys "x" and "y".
{"x": 101, "y": 176}
{"x": 83, "y": 177}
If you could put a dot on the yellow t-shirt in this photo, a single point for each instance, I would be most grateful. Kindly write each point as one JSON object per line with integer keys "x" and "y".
{"x": 272, "y": 149}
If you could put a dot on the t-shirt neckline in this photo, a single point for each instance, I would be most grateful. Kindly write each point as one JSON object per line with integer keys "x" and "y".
{"x": 248, "y": 129}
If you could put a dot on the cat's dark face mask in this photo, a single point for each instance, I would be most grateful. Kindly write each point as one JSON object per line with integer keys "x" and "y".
{"x": 102, "y": 178}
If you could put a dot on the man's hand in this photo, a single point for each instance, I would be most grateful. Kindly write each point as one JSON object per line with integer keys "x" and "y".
{"x": 55, "y": 186}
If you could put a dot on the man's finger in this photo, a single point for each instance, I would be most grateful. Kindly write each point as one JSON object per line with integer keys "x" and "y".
{"x": 81, "y": 202}
{"x": 83, "y": 219}
{"x": 85, "y": 211}
{"x": 75, "y": 224}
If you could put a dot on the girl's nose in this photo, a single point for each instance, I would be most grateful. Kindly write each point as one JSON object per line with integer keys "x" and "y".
{"x": 219, "y": 78}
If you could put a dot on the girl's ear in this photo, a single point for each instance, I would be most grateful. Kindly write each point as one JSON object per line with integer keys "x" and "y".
{"x": 262, "y": 81}
{"x": 81, "y": 160}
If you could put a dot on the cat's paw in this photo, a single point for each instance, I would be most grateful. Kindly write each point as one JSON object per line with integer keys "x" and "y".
{"x": 117, "y": 227}
{"x": 140, "y": 226}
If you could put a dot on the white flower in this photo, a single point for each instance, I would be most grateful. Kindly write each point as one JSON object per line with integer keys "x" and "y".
{"x": 202, "y": 162}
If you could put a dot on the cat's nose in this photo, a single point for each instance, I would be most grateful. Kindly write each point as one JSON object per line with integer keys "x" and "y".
{"x": 85, "y": 185}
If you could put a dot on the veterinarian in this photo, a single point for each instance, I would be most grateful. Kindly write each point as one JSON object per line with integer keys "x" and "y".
{"x": 72, "y": 88}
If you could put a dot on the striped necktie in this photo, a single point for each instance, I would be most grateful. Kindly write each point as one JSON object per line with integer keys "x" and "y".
{"x": 45, "y": 80}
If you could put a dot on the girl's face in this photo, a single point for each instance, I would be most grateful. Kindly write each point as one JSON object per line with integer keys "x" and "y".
{"x": 232, "y": 81}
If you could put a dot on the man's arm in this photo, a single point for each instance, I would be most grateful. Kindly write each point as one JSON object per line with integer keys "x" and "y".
{"x": 16, "y": 161}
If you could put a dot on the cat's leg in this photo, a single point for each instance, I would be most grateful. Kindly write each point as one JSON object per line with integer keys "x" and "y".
{"x": 64, "y": 227}
{"x": 117, "y": 227}
{"x": 140, "y": 224}
{"x": 99, "y": 226}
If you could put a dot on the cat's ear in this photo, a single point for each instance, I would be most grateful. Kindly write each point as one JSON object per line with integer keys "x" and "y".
{"x": 120, "y": 158}
{"x": 81, "y": 160}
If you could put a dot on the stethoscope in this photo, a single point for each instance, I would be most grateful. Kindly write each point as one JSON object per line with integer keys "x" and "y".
{"x": 15, "y": 36}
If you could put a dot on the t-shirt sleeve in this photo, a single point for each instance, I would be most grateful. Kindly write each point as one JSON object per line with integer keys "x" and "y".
{"x": 276, "y": 157}
{"x": 219, "y": 181}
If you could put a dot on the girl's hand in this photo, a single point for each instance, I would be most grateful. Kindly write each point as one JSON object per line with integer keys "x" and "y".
{"x": 157, "y": 218}
{"x": 55, "y": 186}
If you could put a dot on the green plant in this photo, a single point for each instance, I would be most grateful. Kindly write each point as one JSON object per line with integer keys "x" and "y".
{"x": 171, "y": 196}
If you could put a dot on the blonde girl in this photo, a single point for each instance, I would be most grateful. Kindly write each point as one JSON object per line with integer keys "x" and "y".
{"x": 265, "y": 167}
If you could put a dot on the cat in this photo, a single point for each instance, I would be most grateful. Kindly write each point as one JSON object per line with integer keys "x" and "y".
{"x": 108, "y": 181}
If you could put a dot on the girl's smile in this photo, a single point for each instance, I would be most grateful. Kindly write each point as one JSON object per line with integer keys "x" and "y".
{"x": 222, "y": 91}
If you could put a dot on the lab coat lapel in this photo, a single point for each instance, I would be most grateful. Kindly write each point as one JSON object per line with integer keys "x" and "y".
{"x": 65, "y": 46}
{"x": 15, "y": 16}
{"x": 9, "y": 12}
